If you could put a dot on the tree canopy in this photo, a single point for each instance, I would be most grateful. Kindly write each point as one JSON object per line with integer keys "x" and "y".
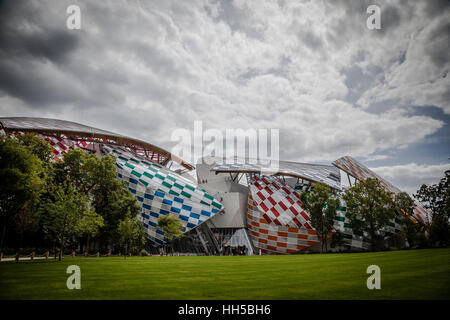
{"x": 131, "y": 234}
{"x": 404, "y": 205}
{"x": 436, "y": 197}
{"x": 62, "y": 216}
{"x": 23, "y": 178}
{"x": 369, "y": 207}
{"x": 322, "y": 206}
{"x": 97, "y": 178}
{"x": 172, "y": 227}
{"x": 79, "y": 196}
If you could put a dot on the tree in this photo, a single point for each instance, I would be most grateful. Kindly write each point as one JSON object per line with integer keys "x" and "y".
{"x": 338, "y": 239}
{"x": 26, "y": 218}
{"x": 115, "y": 203}
{"x": 97, "y": 178}
{"x": 132, "y": 234}
{"x": 38, "y": 146}
{"x": 404, "y": 205}
{"x": 62, "y": 216}
{"x": 322, "y": 210}
{"x": 369, "y": 207}
{"x": 89, "y": 225}
{"x": 440, "y": 231}
{"x": 78, "y": 167}
{"x": 22, "y": 177}
{"x": 436, "y": 197}
{"x": 172, "y": 227}
{"x": 32, "y": 182}
{"x": 23, "y": 221}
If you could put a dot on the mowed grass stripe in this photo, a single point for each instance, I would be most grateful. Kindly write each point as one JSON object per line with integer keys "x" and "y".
{"x": 412, "y": 274}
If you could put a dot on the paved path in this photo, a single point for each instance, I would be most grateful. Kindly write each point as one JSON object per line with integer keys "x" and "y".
{"x": 24, "y": 258}
{"x": 51, "y": 257}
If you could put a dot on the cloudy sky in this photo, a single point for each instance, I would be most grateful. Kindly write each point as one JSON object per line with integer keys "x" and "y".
{"x": 309, "y": 68}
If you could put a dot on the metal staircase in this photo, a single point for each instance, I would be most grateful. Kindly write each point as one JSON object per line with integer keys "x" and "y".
{"x": 208, "y": 240}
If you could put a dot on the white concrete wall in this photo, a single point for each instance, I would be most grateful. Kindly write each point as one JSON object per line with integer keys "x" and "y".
{"x": 235, "y": 213}
{"x": 231, "y": 194}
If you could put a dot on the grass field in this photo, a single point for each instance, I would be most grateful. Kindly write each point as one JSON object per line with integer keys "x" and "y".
{"x": 415, "y": 274}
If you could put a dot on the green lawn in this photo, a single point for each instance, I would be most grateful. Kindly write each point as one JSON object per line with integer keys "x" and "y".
{"x": 414, "y": 274}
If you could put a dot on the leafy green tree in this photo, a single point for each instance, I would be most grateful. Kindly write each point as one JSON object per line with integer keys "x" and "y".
{"x": 172, "y": 227}
{"x": 22, "y": 177}
{"x": 369, "y": 207}
{"x": 89, "y": 225}
{"x": 404, "y": 205}
{"x": 440, "y": 231}
{"x": 138, "y": 241}
{"x": 79, "y": 168}
{"x": 23, "y": 221}
{"x": 115, "y": 203}
{"x": 322, "y": 207}
{"x": 436, "y": 197}
{"x": 62, "y": 216}
{"x": 38, "y": 146}
{"x": 132, "y": 234}
{"x": 31, "y": 180}
{"x": 97, "y": 178}
{"x": 27, "y": 219}
{"x": 338, "y": 239}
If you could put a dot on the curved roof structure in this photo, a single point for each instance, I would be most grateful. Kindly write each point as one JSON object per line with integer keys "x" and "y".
{"x": 159, "y": 191}
{"x": 361, "y": 173}
{"x": 276, "y": 219}
{"x": 279, "y": 223}
{"x": 80, "y": 132}
{"x": 328, "y": 175}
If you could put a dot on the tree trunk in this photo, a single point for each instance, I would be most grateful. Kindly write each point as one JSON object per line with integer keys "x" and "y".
{"x": 54, "y": 247}
{"x": 322, "y": 239}
{"x": 21, "y": 239}
{"x": 3, "y": 235}
{"x": 61, "y": 249}
{"x": 372, "y": 237}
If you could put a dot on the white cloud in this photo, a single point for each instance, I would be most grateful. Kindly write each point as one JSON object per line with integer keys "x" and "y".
{"x": 410, "y": 177}
{"x": 422, "y": 78}
{"x": 147, "y": 68}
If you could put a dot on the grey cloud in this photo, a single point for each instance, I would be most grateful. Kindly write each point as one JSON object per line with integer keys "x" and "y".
{"x": 237, "y": 19}
{"x": 145, "y": 68}
{"x": 311, "y": 40}
{"x": 411, "y": 176}
{"x": 27, "y": 42}
{"x": 439, "y": 45}
{"x": 390, "y": 18}
{"x": 41, "y": 40}
{"x": 437, "y": 7}
{"x": 359, "y": 81}
{"x": 351, "y": 20}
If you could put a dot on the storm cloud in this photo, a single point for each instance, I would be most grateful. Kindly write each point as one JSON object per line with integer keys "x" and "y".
{"x": 312, "y": 69}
